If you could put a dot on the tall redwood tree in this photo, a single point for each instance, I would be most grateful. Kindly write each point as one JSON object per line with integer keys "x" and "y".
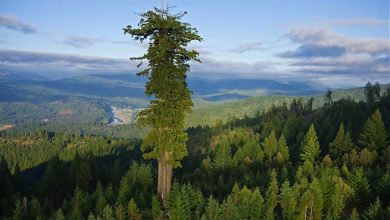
{"x": 167, "y": 58}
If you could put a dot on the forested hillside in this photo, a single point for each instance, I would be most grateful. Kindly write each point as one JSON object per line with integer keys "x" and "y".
{"x": 292, "y": 161}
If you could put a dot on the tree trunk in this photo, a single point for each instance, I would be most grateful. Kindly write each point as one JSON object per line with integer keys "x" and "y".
{"x": 164, "y": 177}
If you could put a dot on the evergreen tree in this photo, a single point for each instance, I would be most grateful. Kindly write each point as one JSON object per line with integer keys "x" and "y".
{"x": 179, "y": 203}
{"x": 360, "y": 185}
{"x": 354, "y": 215}
{"x": 341, "y": 144}
{"x": 35, "y": 210}
{"x": 270, "y": 145}
{"x": 156, "y": 208}
{"x": 107, "y": 213}
{"x": 310, "y": 146}
{"x": 77, "y": 204}
{"x": 223, "y": 159}
{"x": 373, "y": 212}
{"x": 256, "y": 205}
{"x": 168, "y": 59}
{"x": 59, "y": 215}
{"x": 212, "y": 210}
{"x": 120, "y": 212}
{"x": 288, "y": 201}
{"x": 18, "y": 211}
{"x": 374, "y": 134}
{"x": 101, "y": 202}
{"x": 272, "y": 196}
{"x": 133, "y": 211}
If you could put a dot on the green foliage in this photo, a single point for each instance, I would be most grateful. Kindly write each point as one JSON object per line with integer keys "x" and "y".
{"x": 212, "y": 210}
{"x": 341, "y": 144}
{"x": 272, "y": 196}
{"x": 100, "y": 199}
{"x": 136, "y": 183}
{"x": 360, "y": 185}
{"x": 373, "y": 211}
{"x": 179, "y": 205}
{"x": 354, "y": 215}
{"x": 78, "y": 204}
{"x": 59, "y": 215}
{"x": 374, "y": 134}
{"x": 223, "y": 159}
{"x": 156, "y": 208}
{"x": 108, "y": 213}
{"x": 310, "y": 146}
{"x": 18, "y": 211}
{"x": 168, "y": 59}
{"x": 120, "y": 212}
{"x": 288, "y": 201}
{"x": 133, "y": 212}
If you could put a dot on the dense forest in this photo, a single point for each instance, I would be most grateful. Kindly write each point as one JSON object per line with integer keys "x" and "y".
{"x": 292, "y": 161}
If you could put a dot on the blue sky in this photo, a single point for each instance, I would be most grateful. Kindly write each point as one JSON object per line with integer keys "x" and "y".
{"x": 335, "y": 42}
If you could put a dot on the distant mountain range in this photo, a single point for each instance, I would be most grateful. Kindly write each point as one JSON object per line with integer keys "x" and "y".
{"x": 17, "y": 86}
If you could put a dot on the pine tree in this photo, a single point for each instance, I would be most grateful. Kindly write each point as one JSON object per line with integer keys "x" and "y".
{"x": 270, "y": 145}
{"x": 272, "y": 196}
{"x": 101, "y": 202}
{"x": 223, "y": 159}
{"x": 107, "y": 213}
{"x": 18, "y": 211}
{"x": 59, "y": 215}
{"x": 360, "y": 185}
{"x": 77, "y": 204}
{"x": 341, "y": 144}
{"x": 288, "y": 201}
{"x": 212, "y": 210}
{"x": 310, "y": 146}
{"x": 168, "y": 59}
{"x": 283, "y": 149}
{"x": 374, "y": 134}
{"x": 133, "y": 211}
{"x": 229, "y": 210}
{"x": 179, "y": 203}
{"x": 373, "y": 212}
{"x": 354, "y": 215}
{"x": 156, "y": 208}
{"x": 120, "y": 212}
{"x": 257, "y": 205}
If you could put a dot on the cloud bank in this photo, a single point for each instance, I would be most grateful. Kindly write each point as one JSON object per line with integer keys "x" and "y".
{"x": 12, "y": 23}
{"x": 321, "y": 51}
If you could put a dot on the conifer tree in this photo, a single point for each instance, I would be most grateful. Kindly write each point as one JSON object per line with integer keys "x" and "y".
{"x": 257, "y": 205}
{"x": 59, "y": 215}
{"x": 354, "y": 215}
{"x": 374, "y": 134}
{"x": 156, "y": 208}
{"x": 288, "y": 201}
{"x": 360, "y": 185}
{"x": 108, "y": 213}
{"x": 133, "y": 211}
{"x": 212, "y": 210}
{"x": 168, "y": 59}
{"x": 77, "y": 204}
{"x": 179, "y": 203}
{"x": 310, "y": 146}
{"x": 229, "y": 210}
{"x": 100, "y": 200}
{"x": 120, "y": 212}
{"x": 373, "y": 212}
{"x": 283, "y": 149}
{"x": 18, "y": 211}
{"x": 270, "y": 145}
{"x": 272, "y": 196}
{"x": 223, "y": 159}
{"x": 341, "y": 144}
